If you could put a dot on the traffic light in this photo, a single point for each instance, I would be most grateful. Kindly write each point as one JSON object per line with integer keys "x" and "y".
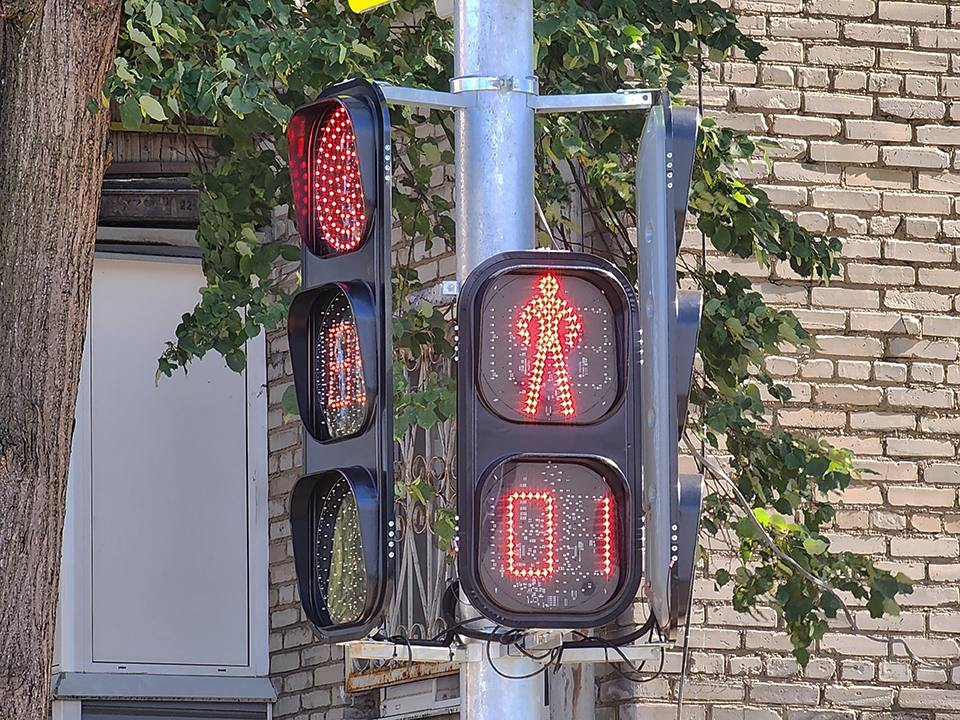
{"x": 670, "y": 321}
{"x": 340, "y": 335}
{"x": 548, "y": 462}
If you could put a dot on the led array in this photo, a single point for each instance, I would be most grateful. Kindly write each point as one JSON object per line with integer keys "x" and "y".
{"x": 605, "y": 533}
{"x": 545, "y": 568}
{"x": 337, "y": 189}
{"x": 345, "y": 387}
{"x": 340, "y": 386}
{"x": 550, "y": 327}
{"x": 341, "y": 576}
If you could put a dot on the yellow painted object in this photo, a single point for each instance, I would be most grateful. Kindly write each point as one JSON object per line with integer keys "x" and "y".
{"x": 364, "y": 5}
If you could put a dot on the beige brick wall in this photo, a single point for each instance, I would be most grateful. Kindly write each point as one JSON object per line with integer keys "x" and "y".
{"x": 307, "y": 675}
{"x": 864, "y": 98}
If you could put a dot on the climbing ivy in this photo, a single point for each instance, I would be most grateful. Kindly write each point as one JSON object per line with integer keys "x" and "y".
{"x": 242, "y": 66}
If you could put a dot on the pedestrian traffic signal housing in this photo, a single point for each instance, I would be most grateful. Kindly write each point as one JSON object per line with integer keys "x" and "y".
{"x": 670, "y": 321}
{"x": 548, "y": 461}
{"x": 339, "y": 331}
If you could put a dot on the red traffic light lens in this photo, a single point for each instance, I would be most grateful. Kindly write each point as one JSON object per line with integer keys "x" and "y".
{"x": 336, "y": 190}
{"x": 550, "y": 536}
{"x": 334, "y": 201}
{"x": 341, "y": 578}
{"x": 548, "y": 348}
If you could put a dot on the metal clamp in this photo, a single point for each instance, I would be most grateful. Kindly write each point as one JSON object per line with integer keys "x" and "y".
{"x": 529, "y": 85}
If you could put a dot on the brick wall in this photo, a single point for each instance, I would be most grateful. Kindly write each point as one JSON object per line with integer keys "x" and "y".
{"x": 307, "y": 675}
{"x": 864, "y": 99}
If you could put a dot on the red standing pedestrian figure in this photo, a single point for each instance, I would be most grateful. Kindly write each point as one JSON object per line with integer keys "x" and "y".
{"x": 550, "y": 328}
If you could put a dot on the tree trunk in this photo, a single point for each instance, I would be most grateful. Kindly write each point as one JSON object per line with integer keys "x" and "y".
{"x": 54, "y": 55}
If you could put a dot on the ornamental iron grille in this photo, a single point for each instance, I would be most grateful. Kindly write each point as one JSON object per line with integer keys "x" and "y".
{"x": 425, "y": 477}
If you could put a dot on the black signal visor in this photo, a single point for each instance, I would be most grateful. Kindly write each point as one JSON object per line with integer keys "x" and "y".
{"x": 335, "y": 523}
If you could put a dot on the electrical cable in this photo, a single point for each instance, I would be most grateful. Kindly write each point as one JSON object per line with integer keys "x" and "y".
{"x": 551, "y": 653}
{"x": 596, "y": 641}
{"x": 448, "y": 606}
{"x": 718, "y": 473}
{"x": 685, "y": 655}
{"x": 634, "y": 673}
{"x": 507, "y": 675}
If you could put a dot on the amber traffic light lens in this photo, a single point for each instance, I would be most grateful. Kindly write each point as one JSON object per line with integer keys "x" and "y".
{"x": 339, "y": 386}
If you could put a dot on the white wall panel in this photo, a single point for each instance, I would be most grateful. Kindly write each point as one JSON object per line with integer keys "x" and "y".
{"x": 164, "y": 565}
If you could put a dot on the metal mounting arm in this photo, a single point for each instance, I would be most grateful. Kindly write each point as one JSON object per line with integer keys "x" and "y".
{"x": 465, "y": 97}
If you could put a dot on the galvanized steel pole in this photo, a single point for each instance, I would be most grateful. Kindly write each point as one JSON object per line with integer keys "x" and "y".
{"x": 493, "y": 57}
{"x": 495, "y": 213}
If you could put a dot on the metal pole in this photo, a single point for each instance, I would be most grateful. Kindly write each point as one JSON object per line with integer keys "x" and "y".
{"x": 494, "y": 167}
{"x": 494, "y": 211}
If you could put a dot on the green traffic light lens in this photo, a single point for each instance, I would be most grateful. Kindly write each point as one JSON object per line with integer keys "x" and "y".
{"x": 341, "y": 579}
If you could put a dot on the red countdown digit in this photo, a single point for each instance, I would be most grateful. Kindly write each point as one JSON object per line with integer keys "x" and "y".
{"x": 340, "y": 387}
{"x": 550, "y": 536}
{"x": 606, "y": 519}
{"x": 519, "y": 512}
{"x": 344, "y": 383}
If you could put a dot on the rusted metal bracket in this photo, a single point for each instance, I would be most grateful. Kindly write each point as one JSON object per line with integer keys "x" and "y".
{"x": 537, "y": 644}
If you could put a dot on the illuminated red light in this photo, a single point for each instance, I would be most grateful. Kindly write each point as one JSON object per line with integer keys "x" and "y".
{"x": 549, "y": 327}
{"x": 605, "y": 530}
{"x": 337, "y": 190}
{"x": 547, "y": 564}
{"x": 345, "y": 387}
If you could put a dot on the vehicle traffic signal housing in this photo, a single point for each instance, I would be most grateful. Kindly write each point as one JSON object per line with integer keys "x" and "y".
{"x": 670, "y": 321}
{"x": 340, "y": 336}
{"x": 548, "y": 462}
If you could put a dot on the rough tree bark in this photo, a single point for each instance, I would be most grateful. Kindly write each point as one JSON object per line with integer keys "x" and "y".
{"x": 54, "y": 54}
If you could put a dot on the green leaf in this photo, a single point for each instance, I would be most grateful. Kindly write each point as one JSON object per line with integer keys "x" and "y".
{"x": 123, "y": 71}
{"x": 151, "y": 52}
{"x": 236, "y": 360}
{"x": 288, "y": 403}
{"x": 151, "y": 107}
{"x": 154, "y": 13}
{"x": 131, "y": 116}
{"x": 814, "y": 546}
{"x": 140, "y": 37}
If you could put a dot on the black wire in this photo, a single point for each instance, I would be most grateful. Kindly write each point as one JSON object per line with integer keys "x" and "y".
{"x": 551, "y": 653}
{"x": 633, "y": 675}
{"x": 506, "y": 675}
{"x": 588, "y": 641}
{"x": 448, "y": 605}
